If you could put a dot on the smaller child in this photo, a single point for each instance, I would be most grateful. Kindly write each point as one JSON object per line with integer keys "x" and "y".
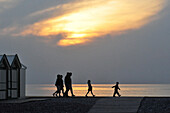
{"x": 57, "y": 84}
{"x": 90, "y": 88}
{"x": 116, "y": 89}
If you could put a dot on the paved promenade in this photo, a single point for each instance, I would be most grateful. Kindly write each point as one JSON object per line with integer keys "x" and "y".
{"x": 117, "y": 105}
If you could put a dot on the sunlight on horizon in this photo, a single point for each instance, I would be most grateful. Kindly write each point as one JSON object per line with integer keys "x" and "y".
{"x": 103, "y": 89}
{"x": 84, "y": 21}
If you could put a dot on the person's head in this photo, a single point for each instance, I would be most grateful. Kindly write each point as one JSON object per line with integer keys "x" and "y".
{"x": 58, "y": 76}
{"x": 88, "y": 81}
{"x": 117, "y": 83}
{"x": 69, "y": 74}
{"x": 61, "y": 76}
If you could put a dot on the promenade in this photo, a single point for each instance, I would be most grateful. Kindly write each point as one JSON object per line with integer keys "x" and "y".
{"x": 117, "y": 105}
{"x": 50, "y": 104}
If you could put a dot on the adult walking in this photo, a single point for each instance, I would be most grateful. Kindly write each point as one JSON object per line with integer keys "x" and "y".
{"x": 68, "y": 84}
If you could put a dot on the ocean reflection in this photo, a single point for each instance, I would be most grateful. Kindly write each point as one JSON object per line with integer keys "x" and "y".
{"x": 103, "y": 89}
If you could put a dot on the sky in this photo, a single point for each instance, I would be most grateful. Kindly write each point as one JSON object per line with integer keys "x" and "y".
{"x": 97, "y": 40}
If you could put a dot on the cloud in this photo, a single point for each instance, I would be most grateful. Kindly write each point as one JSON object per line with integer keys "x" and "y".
{"x": 41, "y": 12}
{"x": 7, "y": 4}
{"x": 81, "y": 22}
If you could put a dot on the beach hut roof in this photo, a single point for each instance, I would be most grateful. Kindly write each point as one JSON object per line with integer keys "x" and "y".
{"x": 1, "y": 56}
{"x": 23, "y": 66}
{"x": 3, "y": 61}
{"x": 14, "y": 60}
{"x": 10, "y": 58}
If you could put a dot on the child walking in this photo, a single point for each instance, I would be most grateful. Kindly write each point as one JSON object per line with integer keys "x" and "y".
{"x": 57, "y": 86}
{"x": 116, "y": 89}
{"x": 89, "y": 88}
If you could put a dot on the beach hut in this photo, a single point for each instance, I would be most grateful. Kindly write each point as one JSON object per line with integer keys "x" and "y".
{"x": 4, "y": 72}
{"x": 15, "y": 77}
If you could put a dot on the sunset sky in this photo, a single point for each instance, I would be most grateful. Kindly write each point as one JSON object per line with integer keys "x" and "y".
{"x": 104, "y": 41}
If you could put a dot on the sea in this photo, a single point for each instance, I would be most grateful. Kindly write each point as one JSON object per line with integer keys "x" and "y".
{"x": 127, "y": 90}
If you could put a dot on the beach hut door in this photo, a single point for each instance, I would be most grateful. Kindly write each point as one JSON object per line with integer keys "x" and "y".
{"x": 3, "y": 84}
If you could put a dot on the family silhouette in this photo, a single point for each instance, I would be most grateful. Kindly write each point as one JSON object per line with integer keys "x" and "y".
{"x": 60, "y": 87}
{"x": 68, "y": 85}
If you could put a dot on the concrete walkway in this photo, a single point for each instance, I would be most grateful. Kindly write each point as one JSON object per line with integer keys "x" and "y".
{"x": 117, "y": 105}
{"x": 21, "y": 100}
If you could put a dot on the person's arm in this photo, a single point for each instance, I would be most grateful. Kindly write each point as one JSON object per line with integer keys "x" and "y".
{"x": 118, "y": 88}
{"x": 113, "y": 86}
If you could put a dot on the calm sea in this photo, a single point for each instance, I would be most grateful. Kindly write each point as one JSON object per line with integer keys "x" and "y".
{"x": 103, "y": 89}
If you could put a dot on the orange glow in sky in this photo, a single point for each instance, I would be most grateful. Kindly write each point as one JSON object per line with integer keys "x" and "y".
{"x": 84, "y": 20}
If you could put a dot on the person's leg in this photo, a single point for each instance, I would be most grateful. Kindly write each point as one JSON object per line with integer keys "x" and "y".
{"x": 118, "y": 94}
{"x": 87, "y": 93}
{"x": 63, "y": 91}
{"x": 66, "y": 92}
{"x": 72, "y": 91}
{"x": 114, "y": 94}
{"x": 59, "y": 92}
{"x": 54, "y": 93}
{"x": 92, "y": 93}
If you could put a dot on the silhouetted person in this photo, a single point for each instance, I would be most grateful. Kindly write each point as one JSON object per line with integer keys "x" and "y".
{"x": 68, "y": 84}
{"x": 116, "y": 89}
{"x": 89, "y": 88}
{"x": 57, "y": 84}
